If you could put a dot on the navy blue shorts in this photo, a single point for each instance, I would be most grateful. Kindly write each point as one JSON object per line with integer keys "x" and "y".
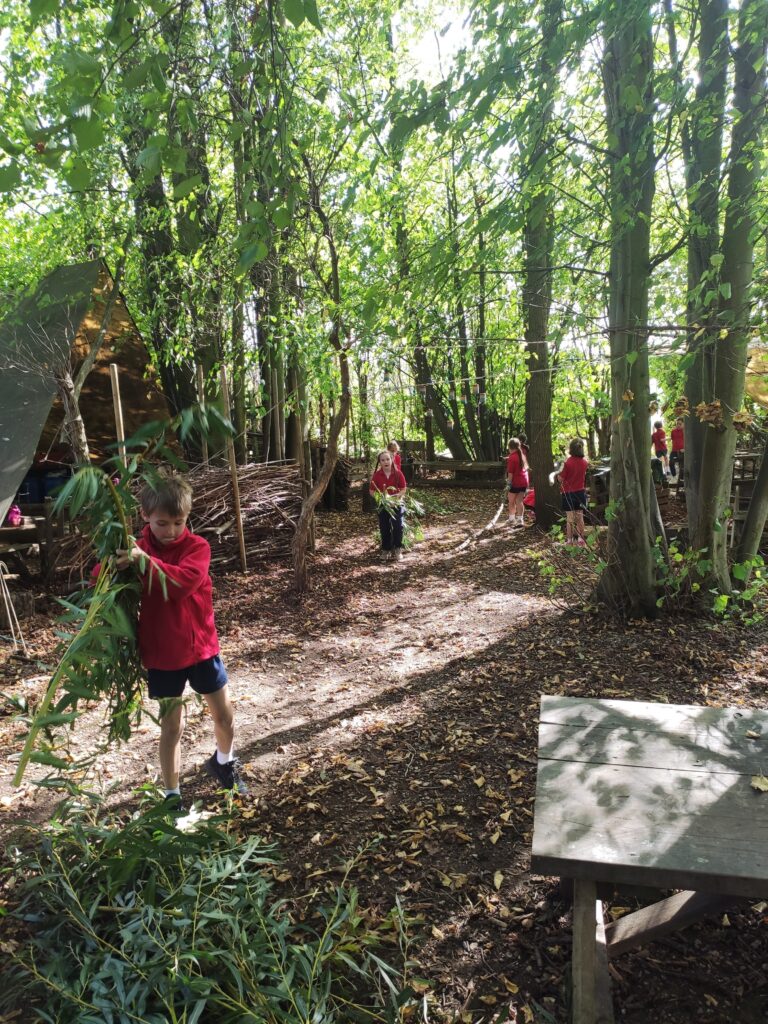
{"x": 517, "y": 490}
{"x": 204, "y": 677}
{"x": 574, "y": 501}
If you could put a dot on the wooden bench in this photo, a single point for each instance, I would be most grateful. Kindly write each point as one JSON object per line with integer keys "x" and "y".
{"x": 462, "y": 474}
{"x": 660, "y": 795}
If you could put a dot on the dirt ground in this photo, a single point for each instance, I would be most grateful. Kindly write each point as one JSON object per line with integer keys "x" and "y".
{"x": 390, "y": 720}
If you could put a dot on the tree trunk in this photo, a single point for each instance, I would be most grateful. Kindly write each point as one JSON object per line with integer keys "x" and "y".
{"x": 627, "y": 583}
{"x": 726, "y": 358}
{"x": 73, "y": 420}
{"x": 754, "y": 524}
{"x": 537, "y": 287}
{"x": 302, "y": 537}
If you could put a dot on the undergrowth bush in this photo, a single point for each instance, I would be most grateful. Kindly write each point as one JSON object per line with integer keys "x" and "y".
{"x": 572, "y": 575}
{"x": 145, "y": 922}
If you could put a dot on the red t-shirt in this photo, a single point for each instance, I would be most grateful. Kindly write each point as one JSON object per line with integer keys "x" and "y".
{"x": 516, "y": 469}
{"x": 388, "y": 484}
{"x": 659, "y": 439}
{"x": 678, "y": 439}
{"x": 573, "y": 475}
{"x": 397, "y": 460}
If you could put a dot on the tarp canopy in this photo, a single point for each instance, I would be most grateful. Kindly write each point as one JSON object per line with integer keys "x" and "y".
{"x": 35, "y": 342}
{"x": 55, "y": 329}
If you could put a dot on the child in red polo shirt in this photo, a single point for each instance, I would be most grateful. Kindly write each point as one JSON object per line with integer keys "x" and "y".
{"x": 573, "y": 484}
{"x": 517, "y": 482}
{"x": 394, "y": 450}
{"x": 659, "y": 441}
{"x": 678, "y": 448}
{"x": 388, "y": 480}
{"x": 177, "y": 634}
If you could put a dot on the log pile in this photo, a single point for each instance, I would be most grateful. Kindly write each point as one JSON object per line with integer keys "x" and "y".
{"x": 270, "y": 500}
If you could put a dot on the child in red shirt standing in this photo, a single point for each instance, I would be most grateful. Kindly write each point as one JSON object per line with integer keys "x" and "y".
{"x": 390, "y": 481}
{"x": 573, "y": 477}
{"x": 517, "y": 482}
{"x": 394, "y": 450}
{"x": 677, "y": 457}
{"x": 177, "y": 634}
{"x": 659, "y": 441}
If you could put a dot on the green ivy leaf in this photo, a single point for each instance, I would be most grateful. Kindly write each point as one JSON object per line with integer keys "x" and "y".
{"x": 88, "y": 132}
{"x": 137, "y": 77}
{"x": 310, "y": 10}
{"x": 252, "y": 253}
{"x": 10, "y": 177}
{"x": 185, "y": 188}
{"x": 10, "y": 147}
{"x": 281, "y": 218}
{"x": 40, "y": 9}
{"x": 78, "y": 174}
{"x": 77, "y": 62}
{"x": 294, "y": 11}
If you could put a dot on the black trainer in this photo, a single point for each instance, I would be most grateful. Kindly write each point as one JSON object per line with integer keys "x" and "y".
{"x": 227, "y": 775}
{"x": 174, "y": 804}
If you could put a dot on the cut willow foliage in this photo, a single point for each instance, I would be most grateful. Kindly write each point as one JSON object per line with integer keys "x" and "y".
{"x": 100, "y": 660}
{"x": 143, "y": 922}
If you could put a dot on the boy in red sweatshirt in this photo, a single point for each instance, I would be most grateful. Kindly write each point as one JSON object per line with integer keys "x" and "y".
{"x": 177, "y": 634}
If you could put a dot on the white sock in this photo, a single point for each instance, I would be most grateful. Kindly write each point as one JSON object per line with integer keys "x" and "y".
{"x": 224, "y": 758}
{"x": 173, "y": 792}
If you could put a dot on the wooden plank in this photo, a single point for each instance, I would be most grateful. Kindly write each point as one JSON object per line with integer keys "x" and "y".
{"x": 651, "y": 826}
{"x": 647, "y": 924}
{"x": 614, "y": 714}
{"x": 699, "y": 749}
{"x": 584, "y": 962}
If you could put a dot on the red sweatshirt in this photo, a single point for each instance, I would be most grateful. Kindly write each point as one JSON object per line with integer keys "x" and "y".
{"x": 176, "y": 630}
{"x": 388, "y": 484}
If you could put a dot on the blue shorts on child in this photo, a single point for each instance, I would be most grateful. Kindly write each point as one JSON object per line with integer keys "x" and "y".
{"x": 574, "y": 501}
{"x": 205, "y": 676}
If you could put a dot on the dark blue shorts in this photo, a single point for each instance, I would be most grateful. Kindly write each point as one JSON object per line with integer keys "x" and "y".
{"x": 204, "y": 677}
{"x": 574, "y": 501}
{"x": 517, "y": 490}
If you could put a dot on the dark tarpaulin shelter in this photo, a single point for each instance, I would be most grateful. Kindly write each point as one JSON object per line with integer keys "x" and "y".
{"x": 53, "y": 329}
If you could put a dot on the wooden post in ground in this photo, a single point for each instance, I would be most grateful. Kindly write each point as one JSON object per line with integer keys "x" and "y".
{"x": 233, "y": 471}
{"x": 116, "y": 401}
{"x": 201, "y": 400}
{"x": 591, "y": 982}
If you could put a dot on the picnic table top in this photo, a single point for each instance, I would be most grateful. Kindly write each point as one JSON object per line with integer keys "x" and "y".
{"x": 652, "y": 794}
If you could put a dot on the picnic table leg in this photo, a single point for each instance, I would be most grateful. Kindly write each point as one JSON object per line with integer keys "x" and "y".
{"x": 591, "y": 983}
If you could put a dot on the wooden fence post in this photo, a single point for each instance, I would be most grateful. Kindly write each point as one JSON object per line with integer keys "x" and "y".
{"x": 233, "y": 470}
{"x": 119, "y": 428}
{"x": 201, "y": 400}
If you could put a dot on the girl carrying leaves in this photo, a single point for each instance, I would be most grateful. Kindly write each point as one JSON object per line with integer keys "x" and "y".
{"x": 388, "y": 487}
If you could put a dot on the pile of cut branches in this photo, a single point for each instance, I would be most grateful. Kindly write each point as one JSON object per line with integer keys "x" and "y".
{"x": 270, "y": 502}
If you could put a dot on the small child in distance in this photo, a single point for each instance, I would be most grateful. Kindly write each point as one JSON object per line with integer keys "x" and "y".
{"x": 573, "y": 476}
{"x": 659, "y": 441}
{"x": 517, "y": 482}
{"x": 394, "y": 450}
{"x": 388, "y": 480}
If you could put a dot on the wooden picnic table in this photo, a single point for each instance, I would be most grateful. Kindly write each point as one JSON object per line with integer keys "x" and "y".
{"x": 645, "y": 794}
